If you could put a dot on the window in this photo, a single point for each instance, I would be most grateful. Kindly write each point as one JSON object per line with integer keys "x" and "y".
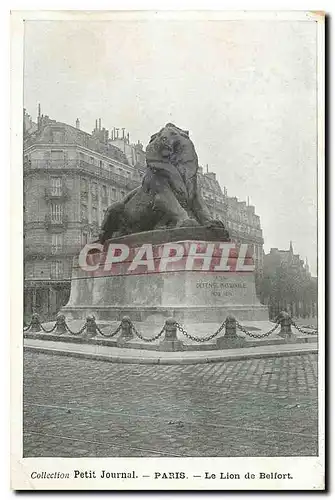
{"x": 56, "y": 269}
{"x": 84, "y": 186}
{"x": 84, "y": 238}
{"x": 56, "y": 243}
{"x": 100, "y": 163}
{"x": 123, "y": 194}
{"x": 114, "y": 194}
{"x": 56, "y": 212}
{"x": 104, "y": 192}
{"x": 58, "y": 136}
{"x": 94, "y": 189}
{"x": 94, "y": 214}
{"x": 56, "y": 186}
{"x": 57, "y": 154}
{"x": 83, "y": 211}
{"x": 81, "y": 156}
{"x": 30, "y": 270}
{"x": 91, "y": 159}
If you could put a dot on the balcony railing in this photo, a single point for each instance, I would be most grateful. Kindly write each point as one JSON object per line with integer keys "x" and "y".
{"x": 81, "y": 165}
{"x": 59, "y": 193}
{"x": 31, "y": 250}
{"x": 60, "y": 222}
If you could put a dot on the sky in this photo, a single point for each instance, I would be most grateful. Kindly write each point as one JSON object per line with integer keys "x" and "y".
{"x": 245, "y": 90}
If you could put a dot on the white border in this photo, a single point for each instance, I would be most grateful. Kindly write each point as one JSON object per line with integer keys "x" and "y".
{"x": 308, "y": 471}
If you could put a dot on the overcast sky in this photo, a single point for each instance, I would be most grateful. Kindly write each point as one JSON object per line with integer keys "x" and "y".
{"x": 246, "y": 91}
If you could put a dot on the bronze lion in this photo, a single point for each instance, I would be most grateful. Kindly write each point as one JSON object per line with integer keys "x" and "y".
{"x": 169, "y": 195}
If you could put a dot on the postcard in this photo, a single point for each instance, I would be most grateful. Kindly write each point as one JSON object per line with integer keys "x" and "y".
{"x": 168, "y": 292}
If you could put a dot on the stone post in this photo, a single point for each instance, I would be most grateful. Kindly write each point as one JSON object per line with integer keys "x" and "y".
{"x": 91, "y": 327}
{"x": 285, "y": 321}
{"x": 35, "y": 323}
{"x": 230, "y": 339}
{"x": 230, "y": 327}
{"x": 170, "y": 341}
{"x": 60, "y": 325}
{"x": 126, "y": 331}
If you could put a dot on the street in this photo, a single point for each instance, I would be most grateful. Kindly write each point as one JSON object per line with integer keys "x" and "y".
{"x": 84, "y": 408}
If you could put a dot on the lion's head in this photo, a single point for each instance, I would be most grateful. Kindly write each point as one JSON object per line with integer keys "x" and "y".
{"x": 173, "y": 145}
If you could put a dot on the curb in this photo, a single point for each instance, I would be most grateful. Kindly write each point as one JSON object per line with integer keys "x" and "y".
{"x": 112, "y": 358}
{"x": 108, "y": 342}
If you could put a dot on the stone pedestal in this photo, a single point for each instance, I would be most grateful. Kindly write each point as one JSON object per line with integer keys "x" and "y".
{"x": 186, "y": 295}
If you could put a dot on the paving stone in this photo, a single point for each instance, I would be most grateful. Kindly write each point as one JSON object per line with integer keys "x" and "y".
{"x": 76, "y": 407}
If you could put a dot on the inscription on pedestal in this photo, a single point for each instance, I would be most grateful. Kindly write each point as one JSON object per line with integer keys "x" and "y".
{"x": 221, "y": 289}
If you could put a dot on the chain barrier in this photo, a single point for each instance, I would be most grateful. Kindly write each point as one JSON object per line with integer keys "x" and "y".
{"x": 146, "y": 339}
{"x": 51, "y": 329}
{"x": 71, "y": 332}
{"x": 178, "y": 326}
{"x": 199, "y": 339}
{"x": 109, "y": 335}
{"x": 312, "y": 332}
{"x": 261, "y": 336}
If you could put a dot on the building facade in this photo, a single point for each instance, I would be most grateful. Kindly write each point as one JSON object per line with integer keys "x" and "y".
{"x": 287, "y": 284}
{"x": 70, "y": 178}
{"x": 239, "y": 217}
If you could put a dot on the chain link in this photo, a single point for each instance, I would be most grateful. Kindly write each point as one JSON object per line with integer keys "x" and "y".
{"x": 199, "y": 339}
{"x": 75, "y": 333}
{"x": 178, "y": 326}
{"x": 112, "y": 334}
{"x": 261, "y": 336}
{"x": 312, "y": 332}
{"x": 152, "y": 339}
{"x": 51, "y": 329}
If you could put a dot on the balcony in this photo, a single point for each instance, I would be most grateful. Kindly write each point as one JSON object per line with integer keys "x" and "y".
{"x": 59, "y": 193}
{"x": 83, "y": 166}
{"x": 48, "y": 250}
{"x": 59, "y": 223}
{"x": 49, "y": 164}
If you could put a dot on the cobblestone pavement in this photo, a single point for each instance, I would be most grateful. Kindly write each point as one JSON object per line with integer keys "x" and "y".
{"x": 82, "y": 408}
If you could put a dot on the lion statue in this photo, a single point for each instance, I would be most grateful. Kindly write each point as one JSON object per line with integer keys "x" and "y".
{"x": 169, "y": 196}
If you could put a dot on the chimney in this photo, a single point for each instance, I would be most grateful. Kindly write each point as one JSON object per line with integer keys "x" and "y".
{"x": 77, "y": 123}
{"x": 39, "y": 115}
{"x": 99, "y": 123}
{"x": 96, "y": 124}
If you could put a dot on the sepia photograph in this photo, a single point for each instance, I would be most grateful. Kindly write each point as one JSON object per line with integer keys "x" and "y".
{"x": 172, "y": 286}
